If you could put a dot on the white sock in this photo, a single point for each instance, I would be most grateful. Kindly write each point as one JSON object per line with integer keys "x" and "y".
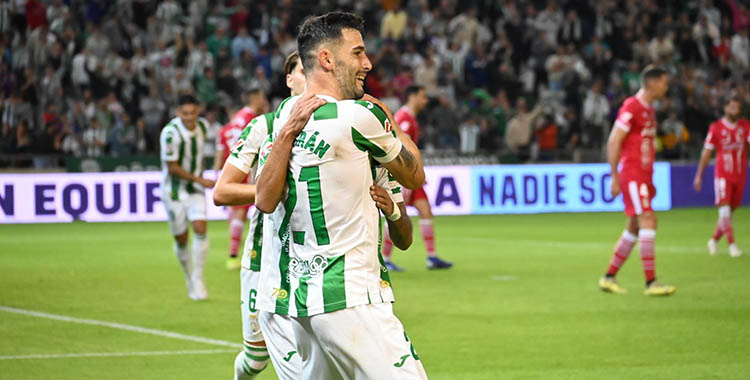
{"x": 250, "y": 362}
{"x": 183, "y": 256}
{"x": 200, "y": 249}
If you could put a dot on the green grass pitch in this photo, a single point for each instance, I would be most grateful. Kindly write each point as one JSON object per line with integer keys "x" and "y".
{"x": 521, "y": 302}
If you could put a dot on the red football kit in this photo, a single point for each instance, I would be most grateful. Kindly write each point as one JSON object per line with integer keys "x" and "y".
{"x": 729, "y": 140}
{"x": 409, "y": 124}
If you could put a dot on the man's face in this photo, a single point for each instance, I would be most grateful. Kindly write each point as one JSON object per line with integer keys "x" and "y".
{"x": 351, "y": 64}
{"x": 420, "y": 99}
{"x": 732, "y": 110}
{"x": 296, "y": 79}
{"x": 659, "y": 86}
{"x": 188, "y": 113}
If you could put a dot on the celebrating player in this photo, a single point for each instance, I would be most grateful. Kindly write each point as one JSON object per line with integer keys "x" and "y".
{"x": 632, "y": 145}
{"x": 406, "y": 117}
{"x": 729, "y": 136}
{"x": 233, "y": 189}
{"x": 183, "y": 189}
{"x": 327, "y": 275}
{"x": 228, "y": 135}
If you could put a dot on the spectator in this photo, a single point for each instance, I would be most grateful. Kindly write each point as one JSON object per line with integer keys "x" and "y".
{"x": 94, "y": 139}
{"x": 217, "y": 41}
{"x": 518, "y": 132}
{"x": 243, "y": 43}
{"x": 674, "y": 136}
{"x": 393, "y": 24}
{"x": 122, "y": 137}
{"x": 595, "y": 117}
{"x": 469, "y": 132}
{"x": 69, "y": 142}
{"x": 153, "y": 109}
{"x": 740, "y": 53}
{"x": 545, "y": 132}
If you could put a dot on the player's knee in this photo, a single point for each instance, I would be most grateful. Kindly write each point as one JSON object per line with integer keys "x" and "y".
{"x": 199, "y": 228}
{"x": 647, "y": 220}
{"x": 181, "y": 239}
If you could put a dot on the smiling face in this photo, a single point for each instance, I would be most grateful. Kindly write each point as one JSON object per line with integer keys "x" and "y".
{"x": 351, "y": 64}
{"x": 188, "y": 113}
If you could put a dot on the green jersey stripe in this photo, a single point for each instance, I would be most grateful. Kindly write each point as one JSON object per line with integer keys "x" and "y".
{"x": 365, "y": 145}
{"x": 257, "y": 244}
{"x": 372, "y": 107}
{"x": 334, "y": 290}
{"x": 300, "y": 297}
{"x": 326, "y": 111}
{"x": 269, "y": 122}
{"x": 180, "y": 157}
{"x": 311, "y": 175}
{"x": 281, "y": 106}
{"x": 193, "y": 162}
{"x": 282, "y": 296}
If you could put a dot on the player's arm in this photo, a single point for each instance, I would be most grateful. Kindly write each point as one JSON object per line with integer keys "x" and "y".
{"x": 218, "y": 158}
{"x": 370, "y": 134}
{"x": 231, "y": 189}
{"x": 614, "y": 151}
{"x": 405, "y": 139}
{"x": 270, "y": 185}
{"x": 399, "y": 224}
{"x": 708, "y": 147}
{"x": 174, "y": 169}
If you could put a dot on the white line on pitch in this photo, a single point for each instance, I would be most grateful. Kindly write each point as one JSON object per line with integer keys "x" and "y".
{"x": 116, "y": 354}
{"x": 120, "y": 326}
{"x": 571, "y": 244}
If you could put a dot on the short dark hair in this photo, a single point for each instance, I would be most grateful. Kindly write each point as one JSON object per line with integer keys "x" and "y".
{"x": 187, "y": 99}
{"x": 253, "y": 91}
{"x": 652, "y": 72}
{"x": 318, "y": 29}
{"x": 291, "y": 62}
{"x": 412, "y": 90}
{"x": 734, "y": 98}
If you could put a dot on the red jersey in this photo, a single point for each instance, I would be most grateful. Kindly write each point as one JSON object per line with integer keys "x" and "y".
{"x": 729, "y": 140}
{"x": 231, "y": 131}
{"x": 408, "y": 123}
{"x": 636, "y": 117}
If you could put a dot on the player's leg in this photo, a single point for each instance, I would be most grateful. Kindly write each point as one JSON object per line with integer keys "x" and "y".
{"x": 721, "y": 199}
{"x": 197, "y": 216}
{"x": 647, "y": 222}
{"x": 178, "y": 225}
{"x": 316, "y": 362}
{"x": 237, "y": 218}
{"x": 281, "y": 344}
{"x": 427, "y": 229}
{"x": 627, "y": 239}
{"x": 254, "y": 357}
{"x": 386, "y": 354}
{"x": 622, "y": 251}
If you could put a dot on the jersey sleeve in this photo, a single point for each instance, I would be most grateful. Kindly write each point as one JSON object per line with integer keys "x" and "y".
{"x": 372, "y": 132}
{"x": 711, "y": 137}
{"x": 624, "y": 119}
{"x": 245, "y": 151}
{"x": 169, "y": 143}
{"x": 385, "y": 180}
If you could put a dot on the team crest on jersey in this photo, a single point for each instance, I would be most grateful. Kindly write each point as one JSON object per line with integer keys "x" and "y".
{"x": 388, "y": 126}
{"x": 265, "y": 150}
{"x": 238, "y": 146}
{"x": 308, "y": 268}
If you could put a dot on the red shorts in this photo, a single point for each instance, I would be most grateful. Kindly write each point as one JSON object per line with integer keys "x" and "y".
{"x": 729, "y": 192}
{"x": 637, "y": 194}
{"x": 412, "y": 195}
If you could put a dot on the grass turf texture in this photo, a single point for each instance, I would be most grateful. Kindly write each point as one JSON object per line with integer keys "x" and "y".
{"x": 521, "y": 302}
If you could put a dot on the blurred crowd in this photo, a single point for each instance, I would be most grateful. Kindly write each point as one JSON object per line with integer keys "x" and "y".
{"x": 518, "y": 79}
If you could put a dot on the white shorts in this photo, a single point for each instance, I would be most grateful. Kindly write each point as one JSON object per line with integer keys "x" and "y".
{"x": 183, "y": 211}
{"x": 361, "y": 342}
{"x": 249, "y": 290}
{"x": 282, "y": 346}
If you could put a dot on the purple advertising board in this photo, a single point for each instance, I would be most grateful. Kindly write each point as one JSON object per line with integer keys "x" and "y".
{"x": 683, "y": 194}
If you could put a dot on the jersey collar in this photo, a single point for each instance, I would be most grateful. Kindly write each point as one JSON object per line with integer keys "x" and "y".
{"x": 639, "y": 96}
{"x": 408, "y": 110}
{"x": 728, "y": 123}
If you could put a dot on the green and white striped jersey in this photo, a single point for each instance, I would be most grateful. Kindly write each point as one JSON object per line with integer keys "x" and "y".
{"x": 177, "y": 143}
{"x": 320, "y": 250}
{"x": 244, "y": 156}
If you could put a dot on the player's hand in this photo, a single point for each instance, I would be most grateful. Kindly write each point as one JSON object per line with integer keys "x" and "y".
{"x": 301, "y": 112}
{"x": 207, "y": 183}
{"x": 382, "y": 199}
{"x": 615, "y": 187}
{"x": 698, "y": 183}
